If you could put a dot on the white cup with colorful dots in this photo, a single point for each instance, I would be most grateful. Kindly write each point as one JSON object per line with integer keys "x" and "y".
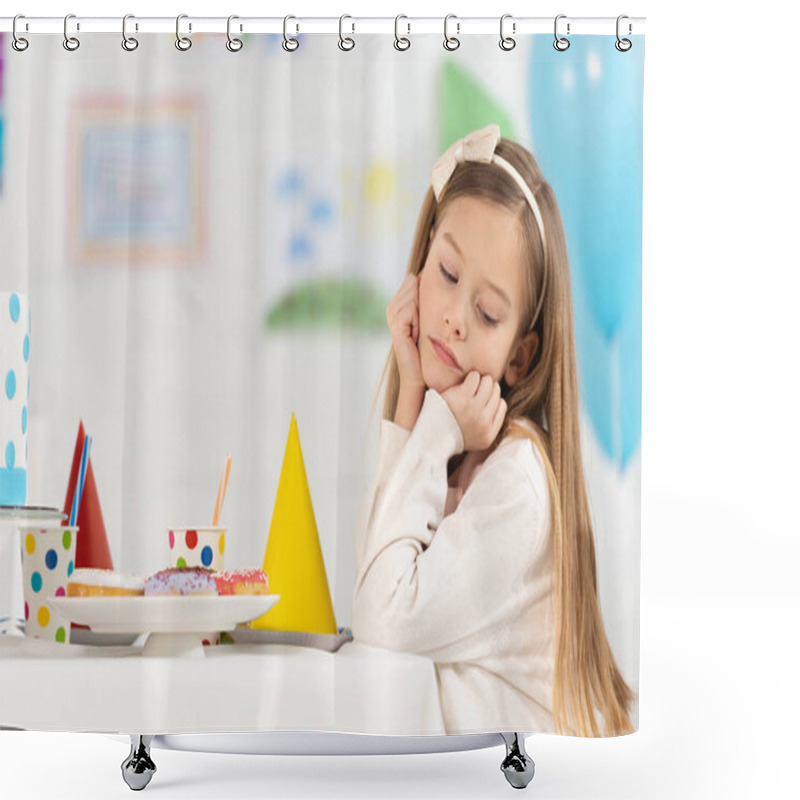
{"x": 48, "y": 559}
{"x": 197, "y": 547}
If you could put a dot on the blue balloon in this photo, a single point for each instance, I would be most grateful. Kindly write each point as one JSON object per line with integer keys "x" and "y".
{"x": 610, "y": 376}
{"x": 586, "y": 121}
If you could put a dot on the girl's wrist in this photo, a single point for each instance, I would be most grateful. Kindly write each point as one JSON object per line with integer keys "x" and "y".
{"x": 409, "y": 404}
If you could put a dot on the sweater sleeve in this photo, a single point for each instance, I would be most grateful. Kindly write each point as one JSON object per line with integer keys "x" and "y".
{"x": 393, "y": 439}
{"x": 435, "y": 585}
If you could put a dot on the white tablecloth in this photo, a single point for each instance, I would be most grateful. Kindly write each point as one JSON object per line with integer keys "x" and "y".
{"x": 359, "y": 689}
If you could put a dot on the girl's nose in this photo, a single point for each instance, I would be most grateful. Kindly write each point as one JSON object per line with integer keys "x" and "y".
{"x": 454, "y": 323}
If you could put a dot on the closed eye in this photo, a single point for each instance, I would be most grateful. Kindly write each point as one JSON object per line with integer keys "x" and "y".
{"x": 448, "y": 276}
{"x": 452, "y": 279}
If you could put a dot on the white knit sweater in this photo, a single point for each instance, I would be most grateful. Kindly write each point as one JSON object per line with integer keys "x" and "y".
{"x": 470, "y": 589}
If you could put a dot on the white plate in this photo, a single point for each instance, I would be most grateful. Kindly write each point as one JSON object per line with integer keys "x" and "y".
{"x": 163, "y": 614}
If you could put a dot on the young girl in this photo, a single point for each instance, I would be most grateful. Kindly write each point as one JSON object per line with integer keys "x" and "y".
{"x": 474, "y": 546}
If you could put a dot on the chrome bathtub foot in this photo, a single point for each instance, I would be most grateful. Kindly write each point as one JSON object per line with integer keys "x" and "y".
{"x": 517, "y": 766}
{"x": 138, "y": 768}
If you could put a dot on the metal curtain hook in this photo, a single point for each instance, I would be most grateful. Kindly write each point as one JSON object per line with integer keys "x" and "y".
{"x": 623, "y": 45}
{"x": 451, "y": 42}
{"x": 19, "y": 43}
{"x": 183, "y": 43}
{"x": 71, "y": 43}
{"x": 507, "y": 42}
{"x": 561, "y": 43}
{"x": 129, "y": 43}
{"x": 290, "y": 44}
{"x": 345, "y": 42}
{"x": 233, "y": 44}
{"x": 401, "y": 43}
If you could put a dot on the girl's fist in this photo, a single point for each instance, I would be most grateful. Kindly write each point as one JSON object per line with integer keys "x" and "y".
{"x": 479, "y": 409}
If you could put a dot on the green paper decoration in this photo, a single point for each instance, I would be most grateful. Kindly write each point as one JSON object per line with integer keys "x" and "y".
{"x": 329, "y": 303}
{"x": 466, "y": 106}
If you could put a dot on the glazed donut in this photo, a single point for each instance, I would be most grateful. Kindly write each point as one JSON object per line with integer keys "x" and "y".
{"x": 86, "y": 582}
{"x": 181, "y": 581}
{"x": 241, "y": 581}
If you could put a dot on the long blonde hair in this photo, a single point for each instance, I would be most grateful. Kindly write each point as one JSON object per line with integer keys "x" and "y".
{"x": 586, "y": 680}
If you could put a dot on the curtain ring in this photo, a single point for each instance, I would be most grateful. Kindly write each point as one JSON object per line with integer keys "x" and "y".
{"x": 561, "y": 44}
{"x": 18, "y": 43}
{"x": 507, "y": 42}
{"x": 183, "y": 43}
{"x": 289, "y": 43}
{"x": 451, "y": 42}
{"x": 71, "y": 43}
{"x": 401, "y": 42}
{"x": 623, "y": 45}
{"x": 129, "y": 43}
{"x": 345, "y": 42}
{"x": 233, "y": 44}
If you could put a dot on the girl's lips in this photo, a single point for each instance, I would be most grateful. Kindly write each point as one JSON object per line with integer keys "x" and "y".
{"x": 445, "y": 354}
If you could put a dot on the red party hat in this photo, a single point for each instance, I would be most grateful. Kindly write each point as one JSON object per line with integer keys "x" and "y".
{"x": 91, "y": 547}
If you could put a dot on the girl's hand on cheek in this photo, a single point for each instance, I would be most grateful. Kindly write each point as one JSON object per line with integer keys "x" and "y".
{"x": 402, "y": 316}
{"x": 479, "y": 409}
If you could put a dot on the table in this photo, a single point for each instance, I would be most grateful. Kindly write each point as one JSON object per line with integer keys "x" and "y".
{"x": 237, "y": 687}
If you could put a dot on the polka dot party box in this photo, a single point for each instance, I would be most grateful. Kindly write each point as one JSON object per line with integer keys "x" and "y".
{"x": 14, "y": 354}
{"x": 48, "y": 560}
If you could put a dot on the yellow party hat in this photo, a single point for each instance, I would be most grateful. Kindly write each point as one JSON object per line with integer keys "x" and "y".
{"x": 293, "y": 560}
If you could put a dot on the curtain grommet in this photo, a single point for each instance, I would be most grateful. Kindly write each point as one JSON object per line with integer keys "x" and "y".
{"x": 451, "y": 43}
{"x": 507, "y": 42}
{"x": 561, "y": 43}
{"x": 346, "y": 43}
{"x": 129, "y": 43}
{"x": 19, "y": 43}
{"x": 290, "y": 44}
{"x": 233, "y": 44}
{"x": 401, "y": 43}
{"x": 182, "y": 43}
{"x": 71, "y": 43}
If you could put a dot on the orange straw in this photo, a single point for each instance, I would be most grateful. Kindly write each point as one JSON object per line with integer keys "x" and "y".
{"x": 223, "y": 488}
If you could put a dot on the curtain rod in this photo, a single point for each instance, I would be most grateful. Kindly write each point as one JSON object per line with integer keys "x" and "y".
{"x": 461, "y": 26}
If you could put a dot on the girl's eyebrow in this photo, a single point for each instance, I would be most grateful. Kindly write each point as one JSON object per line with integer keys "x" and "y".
{"x": 493, "y": 286}
{"x": 454, "y": 245}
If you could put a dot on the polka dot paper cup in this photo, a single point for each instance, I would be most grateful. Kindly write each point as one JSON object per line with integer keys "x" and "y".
{"x": 197, "y": 547}
{"x": 48, "y": 559}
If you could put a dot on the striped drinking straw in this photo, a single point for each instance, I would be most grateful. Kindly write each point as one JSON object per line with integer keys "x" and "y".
{"x": 78, "y": 494}
{"x": 223, "y": 488}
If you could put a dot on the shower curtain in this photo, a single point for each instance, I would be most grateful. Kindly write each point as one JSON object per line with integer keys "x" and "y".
{"x": 205, "y": 246}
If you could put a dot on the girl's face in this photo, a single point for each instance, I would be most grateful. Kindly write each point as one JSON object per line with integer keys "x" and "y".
{"x": 470, "y": 297}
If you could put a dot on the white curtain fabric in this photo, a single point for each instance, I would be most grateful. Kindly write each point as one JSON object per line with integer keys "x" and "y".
{"x": 157, "y": 206}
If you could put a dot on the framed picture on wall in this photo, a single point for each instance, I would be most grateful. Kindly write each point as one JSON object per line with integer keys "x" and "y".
{"x": 139, "y": 178}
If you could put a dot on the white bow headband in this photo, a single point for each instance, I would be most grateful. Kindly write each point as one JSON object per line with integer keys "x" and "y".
{"x": 479, "y": 146}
